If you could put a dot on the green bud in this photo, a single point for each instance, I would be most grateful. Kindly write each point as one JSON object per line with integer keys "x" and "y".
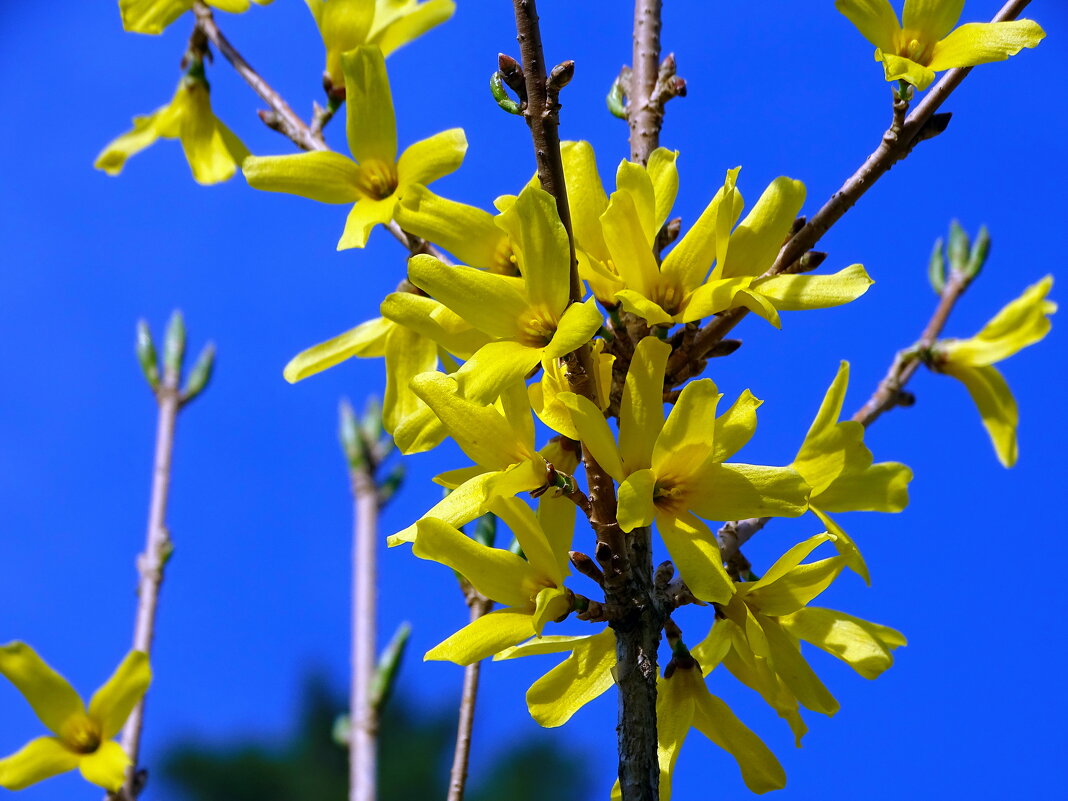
{"x": 615, "y": 100}
{"x": 978, "y": 256}
{"x": 201, "y": 373}
{"x": 486, "y": 529}
{"x": 146, "y": 354}
{"x": 174, "y": 344}
{"x": 958, "y": 248}
{"x": 348, "y": 432}
{"x": 389, "y": 663}
{"x": 936, "y": 267}
{"x": 500, "y": 94}
{"x": 342, "y": 730}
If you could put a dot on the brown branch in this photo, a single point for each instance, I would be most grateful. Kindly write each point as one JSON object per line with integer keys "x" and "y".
{"x": 461, "y": 755}
{"x": 363, "y": 740}
{"x": 282, "y": 117}
{"x": 152, "y": 561}
{"x": 645, "y": 112}
{"x": 893, "y": 147}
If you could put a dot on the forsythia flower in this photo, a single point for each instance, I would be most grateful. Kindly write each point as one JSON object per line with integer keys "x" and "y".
{"x": 925, "y": 42}
{"x": 835, "y": 462}
{"x": 758, "y": 640}
{"x": 684, "y": 702}
{"x": 377, "y": 179}
{"x": 82, "y": 737}
{"x": 531, "y": 318}
{"x": 530, "y": 588}
{"x": 212, "y": 150}
{"x": 1022, "y": 322}
{"x": 152, "y": 16}
{"x": 389, "y": 24}
{"x": 616, "y": 238}
{"x": 672, "y": 470}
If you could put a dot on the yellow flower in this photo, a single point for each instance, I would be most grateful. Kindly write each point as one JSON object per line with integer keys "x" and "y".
{"x": 758, "y": 639}
{"x": 1022, "y": 322}
{"x": 152, "y": 16}
{"x": 377, "y": 179}
{"x": 673, "y": 471}
{"x": 389, "y": 24}
{"x": 835, "y": 462}
{"x": 683, "y": 702}
{"x": 82, "y": 737}
{"x": 530, "y": 318}
{"x": 212, "y": 150}
{"x": 530, "y": 586}
{"x": 616, "y": 237}
{"x": 925, "y": 42}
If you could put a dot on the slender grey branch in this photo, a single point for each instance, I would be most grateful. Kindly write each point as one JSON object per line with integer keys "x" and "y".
{"x": 363, "y": 743}
{"x": 645, "y": 112}
{"x": 466, "y": 723}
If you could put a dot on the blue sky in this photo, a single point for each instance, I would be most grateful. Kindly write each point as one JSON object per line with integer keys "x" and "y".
{"x": 257, "y": 593}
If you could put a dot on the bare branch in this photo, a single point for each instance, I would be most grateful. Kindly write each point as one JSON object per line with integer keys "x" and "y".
{"x": 363, "y": 741}
{"x": 461, "y": 755}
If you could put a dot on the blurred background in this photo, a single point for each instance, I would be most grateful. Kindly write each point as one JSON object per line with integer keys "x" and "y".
{"x": 252, "y": 653}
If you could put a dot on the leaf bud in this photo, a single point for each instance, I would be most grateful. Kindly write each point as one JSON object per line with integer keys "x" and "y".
{"x": 146, "y": 354}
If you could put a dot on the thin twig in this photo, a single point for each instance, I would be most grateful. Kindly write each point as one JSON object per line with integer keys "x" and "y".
{"x": 892, "y": 148}
{"x": 465, "y": 726}
{"x": 151, "y": 562}
{"x": 284, "y": 118}
{"x": 363, "y": 745}
{"x": 645, "y": 114}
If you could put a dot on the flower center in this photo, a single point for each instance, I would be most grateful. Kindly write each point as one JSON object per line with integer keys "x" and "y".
{"x": 504, "y": 261}
{"x": 912, "y": 46}
{"x": 537, "y": 330}
{"x": 81, "y": 734}
{"x": 670, "y": 497}
{"x": 669, "y": 297}
{"x": 377, "y": 179}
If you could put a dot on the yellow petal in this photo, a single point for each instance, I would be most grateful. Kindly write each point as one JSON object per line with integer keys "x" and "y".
{"x": 641, "y": 414}
{"x": 866, "y": 647}
{"x": 481, "y": 431}
{"x": 556, "y": 518}
{"x": 365, "y": 215}
{"x": 212, "y": 150}
{"x": 458, "y": 508}
{"x": 230, "y": 6}
{"x": 320, "y": 175}
{"x": 367, "y": 340}
{"x": 847, "y": 549}
{"x": 585, "y": 196}
{"x": 432, "y": 158}
{"x": 541, "y": 245}
{"x": 686, "y": 440}
{"x": 795, "y": 672}
{"x": 593, "y": 430}
{"x": 414, "y": 24}
{"x": 984, "y": 42}
{"x": 706, "y": 241}
{"x": 1021, "y": 323}
{"x": 883, "y": 487}
{"x": 898, "y": 68}
{"x": 552, "y": 604}
{"x": 418, "y": 432}
{"x": 577, "y": 326}
{"x": 494, "y": 303}
{"x": 665, "y": 178}
{"x": 407, "y": 355}
{"x": 343, "y": 25}
{"x": 802, "y": 292}
{"x": 634, "y": 180}
{"x": 151, "y": 16}
{"x": 113, "y": 157}
{"x": 467, "y": 232}
{"x": 36, "y": 761}
{"x": 696, "y": 555}
{"x": 50, "y": 695}
{"x": 997, "y": 407}
{"x": 500, "y": 575}
{"x": 371, "y": 126}
{"x": 930, "y": 19}
{"x": 737, "y": 491}
{"x": 576, "y": 681}
{"x": 631, "y": 251}
{"x": 537, "y": 549}
{"x": 435, "y": 321}
{"x": 788, "y": 561}
{"x": 761, "y": 771}
{"x": 675, "y": 700}
{"x": 106, "y": 766}
{"x": 635, "y": 507}
{"x": 113, "y": 702}
{"x": 735, "y": 427}
{"x": 637, "y": 304}
{"x": 714, "y": 296}
{"x": 796, "y": 588}
{"x": 875, "y": 19}
{"x": 756, "y": 242}
{"x": 495, "y": 366}
{"x": 484, "y": 637}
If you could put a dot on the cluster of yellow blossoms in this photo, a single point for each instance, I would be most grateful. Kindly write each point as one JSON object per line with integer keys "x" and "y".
{"x": 461, "y": 349}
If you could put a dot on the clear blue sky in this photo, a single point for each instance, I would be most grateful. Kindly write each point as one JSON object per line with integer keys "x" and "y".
{"x": 257, "y": 592}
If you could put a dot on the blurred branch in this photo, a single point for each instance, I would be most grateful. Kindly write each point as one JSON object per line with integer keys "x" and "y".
{"x": 895, "y": 145}
{"x": 479, "y": 606}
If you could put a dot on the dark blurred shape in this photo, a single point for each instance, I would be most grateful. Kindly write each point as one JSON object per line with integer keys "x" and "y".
{"x": 415, "y": 752}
